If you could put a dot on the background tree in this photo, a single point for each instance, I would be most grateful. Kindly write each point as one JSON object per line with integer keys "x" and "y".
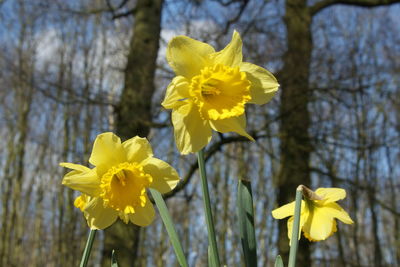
{"x": 133, "y": 111}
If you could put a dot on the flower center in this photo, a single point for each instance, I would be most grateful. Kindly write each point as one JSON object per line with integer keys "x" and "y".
{"x": 220, "y": 92}
{"x": 124, "y": 187}
{"x": 210, "y": 88}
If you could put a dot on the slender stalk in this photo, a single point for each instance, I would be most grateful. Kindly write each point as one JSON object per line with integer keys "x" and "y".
{"x": 207, "y": 209}
{"x": 180, "y": 255}
{"x": 295, "y": 231}
{"x": 88, "y": 248}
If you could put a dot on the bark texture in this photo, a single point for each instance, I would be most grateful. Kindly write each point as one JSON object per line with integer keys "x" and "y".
{"x": 134, "y": 110}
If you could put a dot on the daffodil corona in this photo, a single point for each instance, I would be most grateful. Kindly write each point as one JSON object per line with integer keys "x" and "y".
{"x": 211, "y": 89}
{"x": 317, "y": 219}
{"x": 116, "y": 186}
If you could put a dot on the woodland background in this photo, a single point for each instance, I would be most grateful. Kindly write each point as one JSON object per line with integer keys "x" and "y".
{"x": 70, "y": 70}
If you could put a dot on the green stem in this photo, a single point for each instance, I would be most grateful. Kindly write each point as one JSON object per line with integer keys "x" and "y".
{"x": 295, "y": 230}
{"x": 207, "y": 208}
{"x": 88, "y": 248}
{"x": 162, "y": 208}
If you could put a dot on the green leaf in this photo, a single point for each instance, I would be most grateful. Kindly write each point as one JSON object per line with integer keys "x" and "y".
{"x": 211, "y": 261}
{"x": 246, "y": 223}
{"x": 278, "y": 261}
{"x": 114, "y": 262}
{"x": 166, "y": 218}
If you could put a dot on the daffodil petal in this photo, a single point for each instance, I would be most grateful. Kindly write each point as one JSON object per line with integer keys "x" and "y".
{"x": 97, "y": 216}
{"x": 187, "y": 56}
{"x": 137, "y": 149}
{"x": 288, "y": 210}
{"x": 231, "y": 55}
{"x": 263, "y": 84}
{"x": 74, "y": 166}
{"x": 82, "y": 179}
{"x": 177, "y": 90}
{"x": 192, "y": 133}
{"x": 165, "y": 178}
{"x": 143, "y": 216}
{"x": 319, "y": 225}
{"x": 107, "y": 150}
{"x": 334, "y": 229}
{"x": 234, "y": 124}
{"x": 284, "y": 211}
{"x": 330, "y": 194}
{"x": 338, "y": 212}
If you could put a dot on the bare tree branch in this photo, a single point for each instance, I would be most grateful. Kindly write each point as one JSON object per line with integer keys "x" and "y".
{"x": 213, "y": 149}
{"x": 130, "y": 12}
{"x": 317, "y": 7}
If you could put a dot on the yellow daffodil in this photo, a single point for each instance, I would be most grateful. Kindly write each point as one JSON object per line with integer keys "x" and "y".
{"x": 317, "y": 219}
{"x": 211, "y": 89}
{"x": 116, "y": 186}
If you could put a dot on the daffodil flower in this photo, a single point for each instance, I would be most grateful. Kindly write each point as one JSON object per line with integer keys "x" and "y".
{"x": 116, "y": 186}
{"x": 211, "y": 89}
{"x": 317, "y": 219}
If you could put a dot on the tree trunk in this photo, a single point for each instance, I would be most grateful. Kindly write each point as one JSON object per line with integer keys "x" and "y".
{"x": 295, "y": 143}
{"x": 134, "y": 110}
{"x": 134, "y": 114}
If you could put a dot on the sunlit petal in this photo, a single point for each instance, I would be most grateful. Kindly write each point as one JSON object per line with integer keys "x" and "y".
{"x": 338, "y": 212}
{"x": 137, "y": 149}
{"x": 177, "y": 90}
{"x": 231, "y": 55}
{"x": 73, "y": 166}
{"x": 187, "y": 56}
{"x": 82, "y": 179}
{"x": 263, "y": 84}
{"x": 107, "y": 150}
{"x": 319, "y": 224}
{"x": 286, "y": 210}
{"x": 192, "y": 133}
{"x": 165, "y": 178}
{"x": 234, "y": 124}
{"x": 97, "y": 216}
{"x": 143, "y": 216}
{"x": 331, "y": 194}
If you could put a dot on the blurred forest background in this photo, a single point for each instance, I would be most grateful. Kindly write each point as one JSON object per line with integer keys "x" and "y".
{"x": 70, "y": 70}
